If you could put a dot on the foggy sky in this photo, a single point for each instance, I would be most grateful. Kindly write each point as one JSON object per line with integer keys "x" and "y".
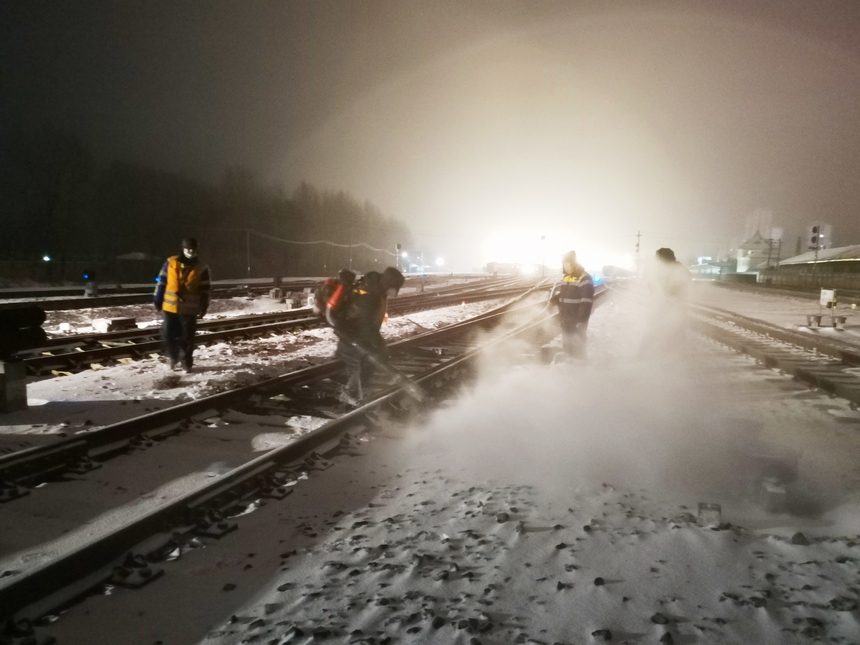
{"x": 584, "y": 122}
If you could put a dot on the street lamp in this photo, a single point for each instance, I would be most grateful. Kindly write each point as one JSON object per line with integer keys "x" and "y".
{"x": 542, "y": 256}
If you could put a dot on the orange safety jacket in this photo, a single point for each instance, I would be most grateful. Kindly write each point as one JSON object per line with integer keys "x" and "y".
{"x": 185, "y": 287}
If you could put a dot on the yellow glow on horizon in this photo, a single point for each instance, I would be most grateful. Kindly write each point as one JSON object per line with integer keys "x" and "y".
{"x": 525, "y": 247}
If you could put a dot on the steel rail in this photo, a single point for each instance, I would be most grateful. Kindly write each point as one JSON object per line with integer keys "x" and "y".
{"x": 43, "y": 580}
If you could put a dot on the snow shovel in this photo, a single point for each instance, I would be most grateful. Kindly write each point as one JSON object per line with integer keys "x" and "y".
{"x": 403, "y": 381}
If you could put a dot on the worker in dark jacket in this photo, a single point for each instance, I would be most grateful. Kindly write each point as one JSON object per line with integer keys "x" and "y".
{"x": 360, "y": 344}
{"x": 182, "y": 295}
{"x": 575, "y": 299}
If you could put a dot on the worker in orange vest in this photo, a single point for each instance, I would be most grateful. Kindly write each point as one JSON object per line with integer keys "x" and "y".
{"x": 182, "y": 295}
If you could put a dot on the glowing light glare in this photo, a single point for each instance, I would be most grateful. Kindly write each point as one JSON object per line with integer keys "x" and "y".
{"x": 527, "y": 247}
{"x": 529, "y": 269}
{"x": 517, "y": 248}
{"x": 405, "y": 254}
{"x": 439, "y": 262}
{"x": 46, "y": 258}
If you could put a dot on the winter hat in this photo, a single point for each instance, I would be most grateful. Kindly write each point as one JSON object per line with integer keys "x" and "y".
{"x": 666, "y": 254}
{"x": 391, "y": 279}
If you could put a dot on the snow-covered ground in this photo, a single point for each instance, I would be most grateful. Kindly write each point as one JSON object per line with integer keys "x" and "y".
{"x": 545, "y": 504}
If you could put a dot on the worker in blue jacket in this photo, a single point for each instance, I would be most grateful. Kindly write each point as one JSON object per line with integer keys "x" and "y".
{"x": 575, "y": 298}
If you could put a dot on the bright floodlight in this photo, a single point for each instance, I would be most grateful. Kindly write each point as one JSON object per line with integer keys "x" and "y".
{"x": 405, "y": 254}
{"x": 46, "y": 258}
{"x": 439, "y": 262}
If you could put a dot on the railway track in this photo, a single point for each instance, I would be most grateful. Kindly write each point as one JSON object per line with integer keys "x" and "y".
{"x": 81, "y": 352}
{"x": 68, "y": 298}
{"x": 830, "y": 364}
{"x": 20, "y": 293}
{"x": 139, "y": 294}
{"x": 845, "y": 296}
{"x": 80, "y": 563}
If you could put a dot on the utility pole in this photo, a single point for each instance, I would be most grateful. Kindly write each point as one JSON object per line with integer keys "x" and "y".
{"x": 248, "y": 250}
{"x": 542, "y": 256}
{"x": 638, "y": 235}
{"x": 816, "y": 237}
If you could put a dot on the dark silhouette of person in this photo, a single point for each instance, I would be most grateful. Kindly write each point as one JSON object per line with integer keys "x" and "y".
{"x": 360, "y": 344}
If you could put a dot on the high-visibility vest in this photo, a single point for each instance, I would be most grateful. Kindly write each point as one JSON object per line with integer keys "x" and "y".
{"x": 575, "y": 298}
{"x": 185, "y": 283}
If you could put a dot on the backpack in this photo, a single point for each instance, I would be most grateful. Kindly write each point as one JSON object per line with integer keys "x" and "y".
{"x": 333, "y": 294}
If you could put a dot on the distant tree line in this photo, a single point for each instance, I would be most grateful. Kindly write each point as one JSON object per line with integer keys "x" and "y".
{"x": 56, "y": 201}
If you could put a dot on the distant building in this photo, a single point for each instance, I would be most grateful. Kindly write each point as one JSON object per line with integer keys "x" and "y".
{"x": 759, "y": 221}
{"x": 835, "y": 268}
{"x": 842, "y": 259}
{"x": 756, "y": 252}
{"x": 709, "y": 269}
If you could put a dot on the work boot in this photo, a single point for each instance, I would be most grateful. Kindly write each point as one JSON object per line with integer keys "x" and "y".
{"x": 172, "y": 363}
{"x": 347, "y": 398}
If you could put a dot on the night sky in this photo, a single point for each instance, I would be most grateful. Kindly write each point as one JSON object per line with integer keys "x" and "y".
{"x": 482, "y": 125}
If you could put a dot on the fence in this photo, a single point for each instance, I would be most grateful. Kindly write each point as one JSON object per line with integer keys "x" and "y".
{"x": 829, "y": 280}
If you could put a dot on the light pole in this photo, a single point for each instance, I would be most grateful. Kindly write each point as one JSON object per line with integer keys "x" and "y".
{"x": 248, "y": 250}
{"x": 542, "y": 257}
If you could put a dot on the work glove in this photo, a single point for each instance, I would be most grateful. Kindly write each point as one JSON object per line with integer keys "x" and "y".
{"x": 201, "y": 314}
{"x": 157, "y": 306}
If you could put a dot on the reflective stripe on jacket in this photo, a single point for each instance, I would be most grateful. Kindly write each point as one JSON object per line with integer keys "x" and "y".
{"x": 575, "y": 298}
{"x": 183, "y": 288}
